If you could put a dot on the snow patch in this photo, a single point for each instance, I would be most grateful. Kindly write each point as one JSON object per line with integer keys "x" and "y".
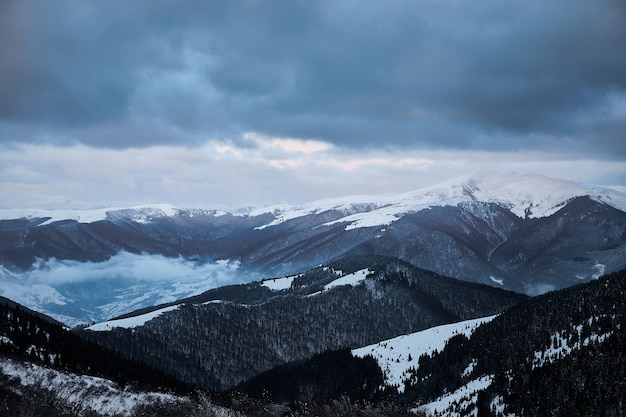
{"x": 213, "y": 302}
{"x": 279, "y": 284}
{"x": 498, "y": 405}
{"x": 470, "y": 368}
{"x": 131, "y": 322}
{"x": 352, "y": 279}
{"x": 285, "y": 212}
{"x": 497, "y": 281}
{"x": 599, "y": 268}
{"x": 5, "y": 340}
{"x": 561, "y": 345}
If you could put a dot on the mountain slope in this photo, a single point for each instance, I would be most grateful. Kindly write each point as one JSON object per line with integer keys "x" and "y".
{"x": 230, "y": 334}
{"x": 558, "y": 354}
{"x": 329, "y": 375}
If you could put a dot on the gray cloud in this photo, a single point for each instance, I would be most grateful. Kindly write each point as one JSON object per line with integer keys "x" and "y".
{"x": 445, "y": 74}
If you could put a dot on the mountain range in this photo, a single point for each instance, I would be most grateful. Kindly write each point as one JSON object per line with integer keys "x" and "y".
{"x": 525, "y": 233}
{"x": 490, "y": 295}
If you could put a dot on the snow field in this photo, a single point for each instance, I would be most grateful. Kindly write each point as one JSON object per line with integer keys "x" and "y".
{"x": 529, "y": 195}
{"x": 351, "y": 279}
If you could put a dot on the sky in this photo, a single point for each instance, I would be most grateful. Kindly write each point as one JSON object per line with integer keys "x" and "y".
{"x": 229, "y": 104}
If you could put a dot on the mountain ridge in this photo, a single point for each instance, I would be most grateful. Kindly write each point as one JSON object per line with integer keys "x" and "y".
{"x": 518, "y": 192}
{"x": 237, "y": 332}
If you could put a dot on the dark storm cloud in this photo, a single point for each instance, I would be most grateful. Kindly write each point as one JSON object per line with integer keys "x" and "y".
{"x": 451, "y": 74}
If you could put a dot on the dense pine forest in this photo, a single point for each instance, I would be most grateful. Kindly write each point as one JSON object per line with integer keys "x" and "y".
{"x": 562, "y": 353}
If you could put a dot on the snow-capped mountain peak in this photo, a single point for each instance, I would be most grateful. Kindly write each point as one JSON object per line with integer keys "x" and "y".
{"x": 528, "y": 195}
{"x": 534, "y": 195}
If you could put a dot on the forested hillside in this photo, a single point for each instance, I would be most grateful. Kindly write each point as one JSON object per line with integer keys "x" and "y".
{"x": 26, "y": 335}
{"x": 559, "y": 354}
{"x": 562, "y": 354}
{"x": 217, "y": 340}
{"x": 326, "y": 376}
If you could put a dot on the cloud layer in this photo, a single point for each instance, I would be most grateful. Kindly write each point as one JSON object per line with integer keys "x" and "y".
{"x": 78, "y": 292}
{"x": 259, "y": 101}
{"x": 224, "y": 175}
{"x": 449, "y": 74}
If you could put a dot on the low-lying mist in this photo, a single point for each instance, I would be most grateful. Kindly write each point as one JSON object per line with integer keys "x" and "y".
{"x": 83, "y": 292}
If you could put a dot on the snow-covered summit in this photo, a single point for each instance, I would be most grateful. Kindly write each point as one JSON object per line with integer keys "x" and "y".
{"x": 528, "y": 195}
{"x": 533, "y": 195}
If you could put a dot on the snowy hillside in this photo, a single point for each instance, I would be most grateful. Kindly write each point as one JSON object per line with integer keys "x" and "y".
{"x": 82, "y": 393}
{"x": 396, "y": 356}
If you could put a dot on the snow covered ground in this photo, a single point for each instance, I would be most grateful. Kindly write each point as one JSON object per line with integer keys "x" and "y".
{"x": 529, "y": 195}
{"x": 351, "y": 279}
{"x": 140, "y": 214}
{"x": 459, "y": 403}
{"x": 560, "y": 346}
{"x": 83, "y": 393}
{"x": 396, "y": 356}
